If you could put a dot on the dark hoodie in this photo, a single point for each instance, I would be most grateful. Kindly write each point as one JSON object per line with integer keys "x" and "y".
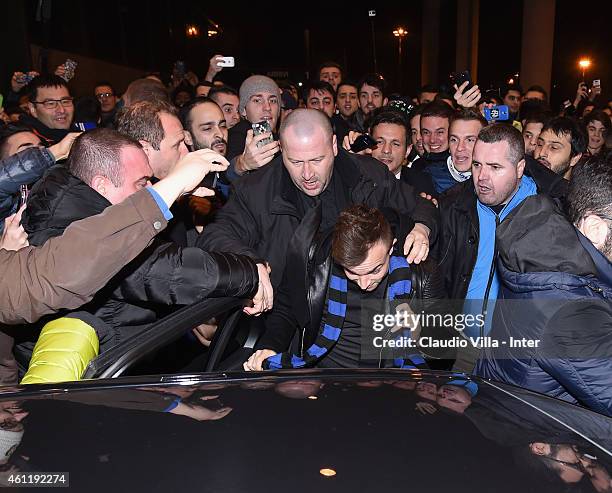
{"x": 556, "y": 289}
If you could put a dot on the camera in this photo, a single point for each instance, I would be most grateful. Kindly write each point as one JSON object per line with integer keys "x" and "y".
{"x": 497, "y": 113}
{"x": 210, "y": 180}
{"x": 25, "y": 78}
{"x": 23, "y": 195}
{"x": 226, "y": 61}
{"x": 180, "y": 69}
{"x": 70, "y": 67}
{"x": 459, "y": 78}
{"x": 363, "y": 142}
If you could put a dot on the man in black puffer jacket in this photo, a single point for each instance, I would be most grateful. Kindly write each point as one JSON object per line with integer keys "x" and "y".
{"x": 557, "y": 294}
{"x": 350, "y": 274}
{"x": 164, "y": 274}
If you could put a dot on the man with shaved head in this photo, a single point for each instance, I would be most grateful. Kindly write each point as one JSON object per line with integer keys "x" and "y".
{"x": 284, "y": 204}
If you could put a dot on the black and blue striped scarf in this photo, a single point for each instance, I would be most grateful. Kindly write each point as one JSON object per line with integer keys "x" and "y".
{"x": 399, "y": 289}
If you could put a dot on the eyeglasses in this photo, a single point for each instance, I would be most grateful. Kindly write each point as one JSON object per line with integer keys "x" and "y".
{"x": 51, "y": 104}
{"x": 104, "y": 95}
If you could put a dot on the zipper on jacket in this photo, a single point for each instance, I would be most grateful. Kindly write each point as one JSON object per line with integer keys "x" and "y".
{"x": 387, "y": 334}
{"x": 595, "y": 288}
{"x": 490, "y": 281}
{"x": 302, "y": 342}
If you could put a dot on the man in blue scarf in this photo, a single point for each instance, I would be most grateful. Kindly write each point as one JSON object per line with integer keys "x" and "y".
{"x": 354, "y": 274}
{"x": 471, "y": 213}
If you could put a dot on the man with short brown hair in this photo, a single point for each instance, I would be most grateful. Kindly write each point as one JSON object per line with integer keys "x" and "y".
{"x": 331, "y": 72}
{"x": 147, "y": 89}
{"x": 356, "y": 264}
{"x": 158, "y": 129}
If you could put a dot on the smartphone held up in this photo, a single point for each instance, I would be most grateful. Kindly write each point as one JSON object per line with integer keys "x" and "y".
{"x": 262, "y": 127}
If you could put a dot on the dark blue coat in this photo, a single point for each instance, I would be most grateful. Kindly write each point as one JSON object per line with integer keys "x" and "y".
{"x": 556, "y": 289}
{"x": 24, "y": 168}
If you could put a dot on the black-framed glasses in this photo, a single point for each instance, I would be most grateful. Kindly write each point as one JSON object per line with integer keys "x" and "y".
{"x": 104, "y": 95}
{"x": 51, "y": 104}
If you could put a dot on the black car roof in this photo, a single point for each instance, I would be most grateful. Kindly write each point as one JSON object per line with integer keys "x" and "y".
{"x": 313, "y": 430}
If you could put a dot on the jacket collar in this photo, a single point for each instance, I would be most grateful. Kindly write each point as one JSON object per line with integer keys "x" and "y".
{"x": 466, "y": 197}
{"x": 58, "y": 200}
{"x": 347, "y": 168}
{"x": 286, "y": 202}
{"x": 602, "y": 264}
{"x": 436, "y": 157}
{"x": 527, "y": 188}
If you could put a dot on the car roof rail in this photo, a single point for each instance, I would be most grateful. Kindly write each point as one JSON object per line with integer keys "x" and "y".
{"x": 114, "y": 362}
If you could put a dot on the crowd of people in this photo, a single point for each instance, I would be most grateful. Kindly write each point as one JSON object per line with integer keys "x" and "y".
{"x": 325, "y": 205}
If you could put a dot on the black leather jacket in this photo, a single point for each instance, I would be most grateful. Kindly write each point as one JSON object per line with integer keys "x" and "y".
{"x": 262, "y": 214}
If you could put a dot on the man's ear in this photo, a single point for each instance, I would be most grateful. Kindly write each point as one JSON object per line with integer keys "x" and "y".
{"x": 408, "y": 151}
{"x": 385, "y": 101}
{"x": 99, "y": 184}
{"x": 32, "y": 107}
{"x": 595, "y": 229}
{"x": 335, "y": 144}
{"x": 188, "y": 138}
{"x": 575, "y": 160}
{"x": 520, "y": 168}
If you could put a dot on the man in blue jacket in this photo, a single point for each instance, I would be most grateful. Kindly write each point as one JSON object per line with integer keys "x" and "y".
{"x": 24, "y": 162}
{"x": 556, "y": 292}
{"x": 470, "y": 214}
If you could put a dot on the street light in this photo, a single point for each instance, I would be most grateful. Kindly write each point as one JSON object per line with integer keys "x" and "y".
{"x": 193, "y": 31}
{"x": 214, "y": 29}
{"x": 584, "y": 63}
{"x": 400, "y": 33}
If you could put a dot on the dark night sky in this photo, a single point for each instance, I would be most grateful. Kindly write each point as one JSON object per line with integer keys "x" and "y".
{"x": 270, "y": 36}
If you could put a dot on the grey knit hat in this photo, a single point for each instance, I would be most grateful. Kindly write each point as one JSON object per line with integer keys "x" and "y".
{"x": 255, "y": 85}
